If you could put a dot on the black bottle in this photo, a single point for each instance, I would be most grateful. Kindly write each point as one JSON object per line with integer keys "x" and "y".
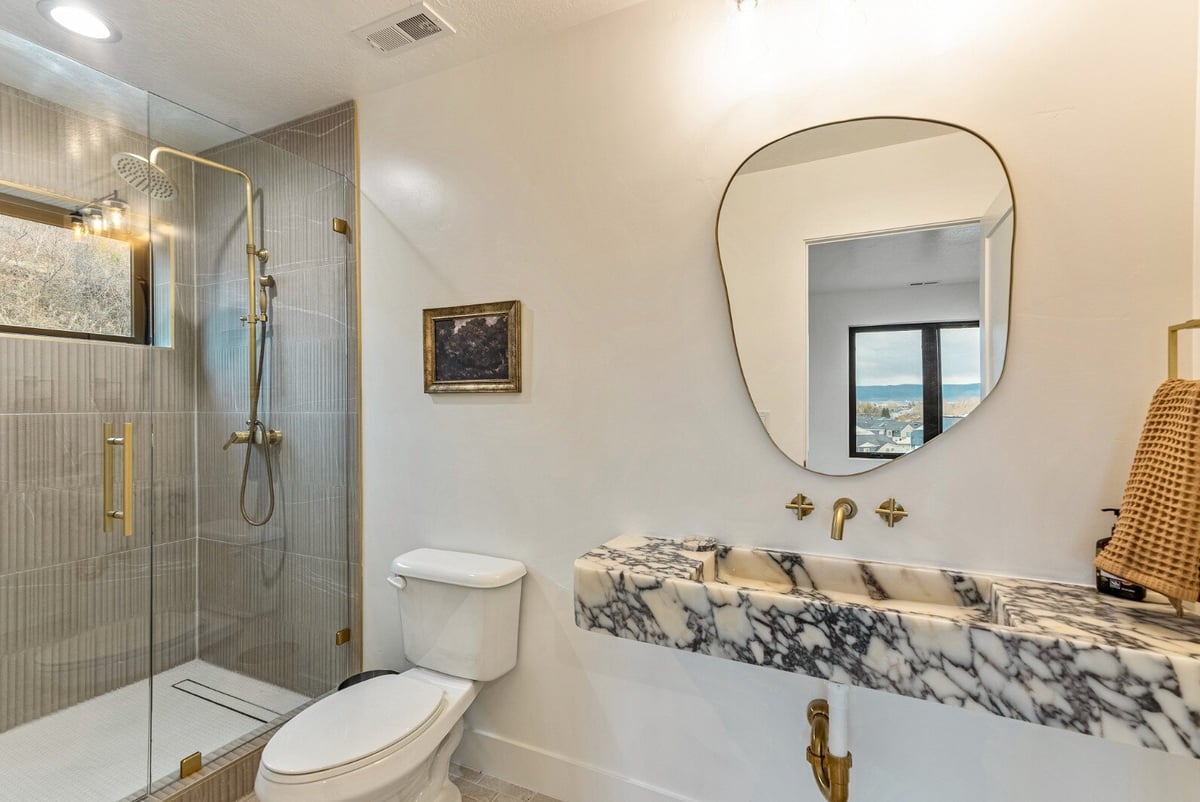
{"x": 1114, "y": 585}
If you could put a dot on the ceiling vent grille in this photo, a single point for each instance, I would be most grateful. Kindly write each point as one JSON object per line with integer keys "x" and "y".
{"x": 412, "y": 26}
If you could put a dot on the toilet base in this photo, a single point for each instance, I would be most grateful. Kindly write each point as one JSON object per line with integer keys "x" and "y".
{"x": 450, "y": 794}
{"x": 441, "y": 767}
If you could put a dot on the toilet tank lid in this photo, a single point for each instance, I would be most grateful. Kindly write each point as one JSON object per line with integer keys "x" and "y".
{"x": 458, "y": 568}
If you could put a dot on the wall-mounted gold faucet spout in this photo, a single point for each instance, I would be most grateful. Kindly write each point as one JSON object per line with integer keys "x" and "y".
{"x": 843, "y": 508}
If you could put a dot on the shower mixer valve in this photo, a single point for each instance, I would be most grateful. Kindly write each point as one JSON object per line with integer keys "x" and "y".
{"x": 273, "y": 438}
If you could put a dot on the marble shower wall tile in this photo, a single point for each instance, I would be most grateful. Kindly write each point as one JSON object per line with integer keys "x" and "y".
{"x": 274, "y": 615}
{"x": 61, "y": 605}
{"x": 76, "y": 630}
{"x": 51, "y": 483}
{"x": 57, "y": 375}
{"x": 326, "y": 138}
{"x": 288, "y": 585}
{"x": 74, "y": 601}
{"x": 49, "y": 146}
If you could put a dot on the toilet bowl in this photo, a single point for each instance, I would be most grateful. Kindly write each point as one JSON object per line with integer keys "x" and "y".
{"x": 390, "y": 738}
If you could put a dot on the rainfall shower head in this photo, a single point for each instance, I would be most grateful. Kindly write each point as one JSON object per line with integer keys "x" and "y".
{"x": 144, "y": 176}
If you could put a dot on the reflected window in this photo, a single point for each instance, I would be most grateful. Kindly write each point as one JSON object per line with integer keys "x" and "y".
{"x": 63, "y": 280}
{"x": 909, "y": 383}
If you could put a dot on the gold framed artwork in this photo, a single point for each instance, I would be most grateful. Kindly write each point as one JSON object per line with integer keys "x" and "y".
{"x": 473, "y": 349}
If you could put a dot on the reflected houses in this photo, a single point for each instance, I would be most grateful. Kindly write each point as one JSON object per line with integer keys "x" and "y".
{"x": 878, "y": 435}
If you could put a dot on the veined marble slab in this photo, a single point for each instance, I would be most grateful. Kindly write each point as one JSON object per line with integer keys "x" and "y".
{"x": 1048, "y": 653}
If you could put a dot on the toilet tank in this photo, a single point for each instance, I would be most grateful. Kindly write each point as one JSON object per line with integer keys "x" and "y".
{"x": 459, "y": 611}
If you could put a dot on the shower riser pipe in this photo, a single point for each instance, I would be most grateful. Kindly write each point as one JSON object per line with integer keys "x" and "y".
{"x": 254, "y": 315}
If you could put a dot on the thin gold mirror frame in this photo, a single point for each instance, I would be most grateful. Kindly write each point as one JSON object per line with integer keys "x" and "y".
{"x": 725, "y": 276}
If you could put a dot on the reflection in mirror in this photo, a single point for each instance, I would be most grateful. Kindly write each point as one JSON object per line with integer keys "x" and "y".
{"x": 868, "y": 268}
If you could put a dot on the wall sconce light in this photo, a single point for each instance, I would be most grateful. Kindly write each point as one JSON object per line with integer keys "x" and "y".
{"x": 77, "y": 226}
{"x": 107, "y": 214}
{"x": 96, "y": 223}
{"x": 115, "y": 212}
{"x": 827, "y": 750}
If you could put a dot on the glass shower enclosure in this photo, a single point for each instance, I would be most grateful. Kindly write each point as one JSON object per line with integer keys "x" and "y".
{"x": 174, "y": 579}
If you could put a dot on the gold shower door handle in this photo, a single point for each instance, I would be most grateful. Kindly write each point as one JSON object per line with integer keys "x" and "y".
{"x": 111, "y": 443}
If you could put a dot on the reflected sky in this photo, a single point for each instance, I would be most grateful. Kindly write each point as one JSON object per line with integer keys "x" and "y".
{"x": 894, "y": 357}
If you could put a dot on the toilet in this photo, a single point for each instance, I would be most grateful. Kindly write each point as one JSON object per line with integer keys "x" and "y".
{"x": 390, "y": 738}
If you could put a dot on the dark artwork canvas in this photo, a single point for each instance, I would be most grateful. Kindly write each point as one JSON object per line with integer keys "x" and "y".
{"x": 471, "y": 348}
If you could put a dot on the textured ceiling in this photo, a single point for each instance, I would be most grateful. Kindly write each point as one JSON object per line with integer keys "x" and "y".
{"x": 256, "y": 63}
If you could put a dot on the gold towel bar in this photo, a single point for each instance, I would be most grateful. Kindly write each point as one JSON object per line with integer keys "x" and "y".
{"x": 1173, "y": 346}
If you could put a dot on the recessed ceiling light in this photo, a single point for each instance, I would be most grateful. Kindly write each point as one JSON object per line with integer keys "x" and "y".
{"x": 77, "y": 18}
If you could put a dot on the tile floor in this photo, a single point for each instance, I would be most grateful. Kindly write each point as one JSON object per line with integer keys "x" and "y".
{"x": 108, "y": 736}
{"x": 478, "y": 787}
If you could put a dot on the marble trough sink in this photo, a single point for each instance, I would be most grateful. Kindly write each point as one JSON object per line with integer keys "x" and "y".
{"x": 1053, "y": 654}
{"x": 883, "y": 586}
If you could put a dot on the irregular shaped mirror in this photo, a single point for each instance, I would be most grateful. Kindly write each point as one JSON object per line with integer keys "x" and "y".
{"x": 868, "y": 266}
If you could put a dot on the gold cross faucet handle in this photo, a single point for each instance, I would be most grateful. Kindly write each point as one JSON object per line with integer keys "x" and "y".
{"x": 891, "y": 512}
{"x": 802, "y": 505}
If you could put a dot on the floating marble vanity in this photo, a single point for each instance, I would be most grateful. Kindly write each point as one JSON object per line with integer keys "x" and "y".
{"x": 1048, "y": 653}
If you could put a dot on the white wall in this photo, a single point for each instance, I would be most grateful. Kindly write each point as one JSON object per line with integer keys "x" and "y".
{"x": 581, "y": 174}
{"x": 769, "y": 217}
{"x": 831, "y": 316}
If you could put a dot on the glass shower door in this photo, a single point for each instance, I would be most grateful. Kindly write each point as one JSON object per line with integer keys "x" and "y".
{"x": 76, "y": 404}
{"x": 265, "y": 530}
{"x": 137, "y": 603}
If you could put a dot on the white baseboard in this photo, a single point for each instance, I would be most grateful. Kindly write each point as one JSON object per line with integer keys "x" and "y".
{"x": 552, "y": 774}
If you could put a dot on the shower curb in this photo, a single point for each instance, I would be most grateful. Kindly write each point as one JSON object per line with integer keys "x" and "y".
{"x": 227, "y": 779}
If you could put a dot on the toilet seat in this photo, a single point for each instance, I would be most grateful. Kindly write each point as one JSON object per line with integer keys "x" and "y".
{"x": 353, "y": 726}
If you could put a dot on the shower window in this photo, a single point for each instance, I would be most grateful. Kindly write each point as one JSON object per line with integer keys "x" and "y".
{"x": 58, "y": 280}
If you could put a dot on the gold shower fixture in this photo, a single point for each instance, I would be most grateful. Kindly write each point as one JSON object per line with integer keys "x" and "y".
{"x": 145, "y": 175}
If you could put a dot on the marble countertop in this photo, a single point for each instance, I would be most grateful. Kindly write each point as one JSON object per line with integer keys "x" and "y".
{"x": 1048, "y": 653}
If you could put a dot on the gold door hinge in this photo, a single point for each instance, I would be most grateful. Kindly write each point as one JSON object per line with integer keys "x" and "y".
{"x": 340, "y": 226}
{"x": 342, "y": 636}
{"x": 190, "y": 765}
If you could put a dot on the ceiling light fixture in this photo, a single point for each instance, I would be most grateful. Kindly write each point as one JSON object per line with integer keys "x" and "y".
{"x": 79, "y": 19}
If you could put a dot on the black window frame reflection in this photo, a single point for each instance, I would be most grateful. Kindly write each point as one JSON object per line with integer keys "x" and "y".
{"x": 931, "y": 380}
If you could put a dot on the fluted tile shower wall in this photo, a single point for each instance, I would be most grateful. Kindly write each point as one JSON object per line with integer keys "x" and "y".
{"x": 290, "y": 585}
{"x": 76, "y": 602}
